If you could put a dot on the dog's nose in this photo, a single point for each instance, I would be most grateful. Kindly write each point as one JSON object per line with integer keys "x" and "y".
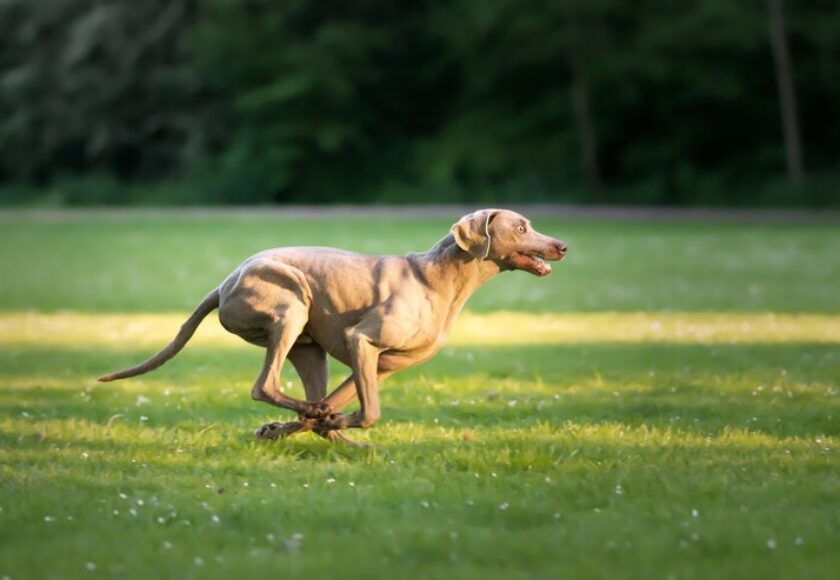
{"x": 562, "y": 247}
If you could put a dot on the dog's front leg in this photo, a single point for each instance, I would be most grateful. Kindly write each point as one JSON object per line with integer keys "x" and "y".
{"x": 364, "y": 361}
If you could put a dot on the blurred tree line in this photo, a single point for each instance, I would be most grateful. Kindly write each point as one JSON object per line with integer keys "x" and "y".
{"x": 223, "y": 101}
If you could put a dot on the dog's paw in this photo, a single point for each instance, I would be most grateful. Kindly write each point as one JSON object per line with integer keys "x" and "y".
{"x": 332, "y": 422}
{"x": 276, "y": 430}
{"x": 318, "y": 410}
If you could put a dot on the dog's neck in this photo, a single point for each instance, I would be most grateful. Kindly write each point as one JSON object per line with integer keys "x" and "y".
{"x": 456, "y": 271}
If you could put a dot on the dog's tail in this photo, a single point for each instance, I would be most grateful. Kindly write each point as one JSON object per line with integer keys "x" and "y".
{"x": 207, "y": 306}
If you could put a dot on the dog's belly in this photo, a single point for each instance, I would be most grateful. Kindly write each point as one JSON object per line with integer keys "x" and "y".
{"x": 259, "y": 336}
{"x": 389, "y": 360}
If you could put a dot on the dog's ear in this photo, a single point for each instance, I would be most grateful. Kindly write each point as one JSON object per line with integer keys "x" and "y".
{"x": 472, "y": 233}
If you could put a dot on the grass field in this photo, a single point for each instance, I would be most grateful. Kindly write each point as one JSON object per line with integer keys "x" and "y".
{"x": 665, "y": 405}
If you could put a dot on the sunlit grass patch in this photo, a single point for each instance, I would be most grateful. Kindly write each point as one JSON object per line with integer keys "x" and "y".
{"x": 668, "y": 327}
{"x": 473, "y": 329}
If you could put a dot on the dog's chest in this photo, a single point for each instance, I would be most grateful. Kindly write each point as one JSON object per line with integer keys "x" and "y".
{"x": 413, "y": 353}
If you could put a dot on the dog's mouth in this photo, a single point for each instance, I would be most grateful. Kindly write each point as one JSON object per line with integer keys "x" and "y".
{"x": 532, "y": 263}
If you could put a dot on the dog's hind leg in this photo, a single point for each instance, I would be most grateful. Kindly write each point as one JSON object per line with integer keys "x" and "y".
{"x": 310, "y": 362}
{"x": 282, "y": 335}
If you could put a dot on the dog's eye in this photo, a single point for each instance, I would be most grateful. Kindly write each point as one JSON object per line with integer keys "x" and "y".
{"x": 520, "y": 229}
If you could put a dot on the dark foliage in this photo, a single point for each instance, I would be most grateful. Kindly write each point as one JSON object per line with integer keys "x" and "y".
{"x": 236, "y": 101}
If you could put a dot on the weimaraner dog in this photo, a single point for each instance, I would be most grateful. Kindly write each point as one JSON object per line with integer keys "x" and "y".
{"x": 376, "y": 314}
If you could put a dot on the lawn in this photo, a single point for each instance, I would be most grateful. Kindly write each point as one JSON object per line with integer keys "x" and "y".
{"x": 665, "y": 405}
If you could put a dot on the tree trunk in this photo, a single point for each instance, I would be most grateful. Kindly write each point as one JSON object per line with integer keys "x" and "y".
{"x": 586, "y": 132}
{"x": 787, "y": 92}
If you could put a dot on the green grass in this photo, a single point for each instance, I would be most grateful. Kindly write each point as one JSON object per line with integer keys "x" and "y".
{"x": 666, "y": 405}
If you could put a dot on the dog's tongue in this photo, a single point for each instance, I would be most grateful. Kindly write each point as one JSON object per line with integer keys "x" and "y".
{"x": 530, "y": 264}
{"x": 542, "y": 269}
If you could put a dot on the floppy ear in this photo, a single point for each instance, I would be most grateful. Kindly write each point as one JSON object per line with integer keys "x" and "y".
{"x": 472, "y": 233}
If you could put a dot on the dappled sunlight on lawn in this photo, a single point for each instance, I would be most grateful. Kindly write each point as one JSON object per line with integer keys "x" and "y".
{"x": 548, "y": 432}
{"x": 509, "y": 328}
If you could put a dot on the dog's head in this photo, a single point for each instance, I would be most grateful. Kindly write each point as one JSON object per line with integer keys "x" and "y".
{"x": 508, "y": 239}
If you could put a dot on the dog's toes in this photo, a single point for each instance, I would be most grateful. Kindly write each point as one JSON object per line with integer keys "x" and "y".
{"x": 267, "y": 431}
{"x": 272, "y": 431}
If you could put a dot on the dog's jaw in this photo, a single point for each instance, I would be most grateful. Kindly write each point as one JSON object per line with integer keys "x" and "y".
{"x": 533, "y": 264}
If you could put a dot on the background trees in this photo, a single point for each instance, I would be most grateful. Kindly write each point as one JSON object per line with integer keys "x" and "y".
{"x": 701, "y": 101}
